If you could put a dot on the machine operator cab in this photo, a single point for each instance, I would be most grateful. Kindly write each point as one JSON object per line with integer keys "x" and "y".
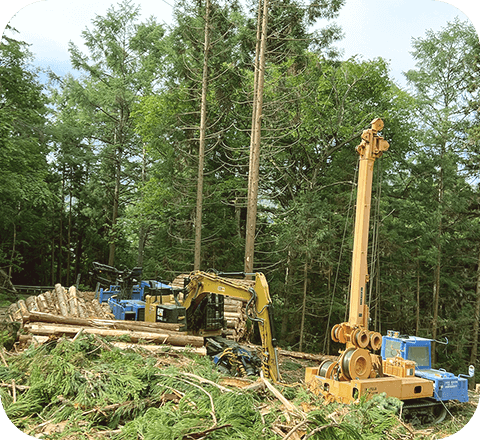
{"x": 418, "y": 350}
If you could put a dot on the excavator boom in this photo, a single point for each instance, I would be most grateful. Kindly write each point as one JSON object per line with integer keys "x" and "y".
{"x": 259, "y": 309}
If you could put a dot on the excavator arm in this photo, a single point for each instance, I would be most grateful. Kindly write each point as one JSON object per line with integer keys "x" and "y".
{"x": 259, "y": 309}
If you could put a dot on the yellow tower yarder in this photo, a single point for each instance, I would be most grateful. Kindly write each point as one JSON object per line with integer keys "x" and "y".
{"x": 358, "y": 371}
{"x": 355, "y": 333}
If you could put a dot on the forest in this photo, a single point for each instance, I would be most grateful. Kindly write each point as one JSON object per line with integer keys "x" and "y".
{"x": 141, "y": 157}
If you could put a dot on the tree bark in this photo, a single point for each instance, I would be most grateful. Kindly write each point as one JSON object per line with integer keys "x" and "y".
{"x": 253, "y": 173}
{"x": 45, "y": 329}
{"x": 201, "y": 148}
{"x": 142, "y": 232}
{"x": 417, "y": 326}
{"x": 116, "y": 197}
{"x": 69, "y": 237}
{"x": 436, "y": 302}
{"x": 476, "y": 318}
{"x": 62, "y": 304}
{"x": 13, "y": 251}
{"x": 436, "y": 283}
{"x": 304, "y": 303}
{"x": 107, "y": 323}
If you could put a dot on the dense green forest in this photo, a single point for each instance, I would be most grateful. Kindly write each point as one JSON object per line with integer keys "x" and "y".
{"x": 103, "y": 164}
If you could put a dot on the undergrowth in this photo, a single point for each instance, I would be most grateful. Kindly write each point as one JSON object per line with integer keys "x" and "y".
{"x": 78, "y": 389}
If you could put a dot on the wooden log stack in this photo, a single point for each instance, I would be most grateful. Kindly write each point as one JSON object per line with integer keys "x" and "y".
{"x": 236, "y": 317}
{"x": 46, "y": 324}
{"x": 68, "y": 313}
{"x": 59, "y": 302}
{"x": 64, "y": 312}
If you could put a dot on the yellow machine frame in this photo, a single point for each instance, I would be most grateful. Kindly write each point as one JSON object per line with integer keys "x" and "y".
{"x": 358, "y": 372}
{"x": 259, "y": 306}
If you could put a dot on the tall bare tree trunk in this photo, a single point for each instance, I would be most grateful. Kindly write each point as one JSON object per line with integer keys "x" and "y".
{"x": 69, "y": 235}
{"x": 253, "y": 173}
{"x": 417, "y": 327}
{"x": 436, "y": 302}
{"x": 201, "y": 149}
{"x": 286, "y": 296}
{"x": 437, "y": 273}
{"x": 476, "y": 318}
{"x": 142, "y": 233}
{"x": 14, "y": 244}
{"x": 116, "y": 197}
{"x": 60, "y": 238}
{"x": 304, "y": 303}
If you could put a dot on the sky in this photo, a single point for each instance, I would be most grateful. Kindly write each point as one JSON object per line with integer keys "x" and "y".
{"x": 372, "y": 28}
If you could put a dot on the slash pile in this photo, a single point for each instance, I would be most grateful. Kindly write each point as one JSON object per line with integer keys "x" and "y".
{"x": 88, "y": 389}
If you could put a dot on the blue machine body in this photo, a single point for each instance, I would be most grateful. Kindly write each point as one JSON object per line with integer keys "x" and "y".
{"x": 132, "y": 309}
{"x": 127, "y": 309}
{"x": 447, "y": 386}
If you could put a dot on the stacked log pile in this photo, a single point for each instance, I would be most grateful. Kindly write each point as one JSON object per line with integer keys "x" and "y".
{"x": 68, "y": 313}
{"x": 60, "y": 302}
{"x": 236, "y": 317}
{"x": 40, "y": 326}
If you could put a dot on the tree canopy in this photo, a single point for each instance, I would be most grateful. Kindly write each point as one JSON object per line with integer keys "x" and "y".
{"x": 104, "y": 165}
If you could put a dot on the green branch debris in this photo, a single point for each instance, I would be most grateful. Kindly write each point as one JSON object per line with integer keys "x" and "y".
{"x": 89, "y": 389}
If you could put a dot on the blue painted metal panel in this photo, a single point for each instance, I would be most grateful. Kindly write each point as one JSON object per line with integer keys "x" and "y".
{"x": 121, "y": 308}
{"x": 447, "y": 386}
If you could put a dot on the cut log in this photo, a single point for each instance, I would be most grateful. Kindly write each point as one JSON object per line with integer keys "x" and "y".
{"x": 59, "y": 291}
{"x": 52, "y": 303}
{"x": 73, "y": 301}
{"x": 22, "y": 306}
{"x": 82, "y": 311}
{"x": 232, "y": 323}
{"x": 308, "y": 356}
{"x": 37, "y": 340}
{"x": 105, "y": 323}
{"x": 14, "y": 312}
{"x": 183, "y": 340}
{"x": 42, "y": 303}
{"x": 97, "y": 308}
{"x": 31, "y": 304}
{"x": 232, "y": 308}
{"x": 160, "y": 348}
{"x": 32, "y": 339}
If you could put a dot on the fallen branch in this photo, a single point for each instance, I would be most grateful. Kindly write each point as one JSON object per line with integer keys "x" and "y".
{"x": 203, "y": 434}
{"x": 290, "y": 406}
{"x": 160, "y": 349}
{"x": 320, "y": 428}
{"x": 203, "y": 380}
{"x": 18, "y": 387}
{"x": 295, "y": 429}
{"x": 214, "y": 417}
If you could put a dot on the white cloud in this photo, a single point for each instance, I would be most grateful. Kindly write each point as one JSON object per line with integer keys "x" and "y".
{"x": 373, "y": 28}
{"x": 49, "y": 25}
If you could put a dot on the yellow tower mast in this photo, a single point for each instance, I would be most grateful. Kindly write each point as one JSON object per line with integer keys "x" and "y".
{"x": 355, "y": 333}
{"x": 371, "y": 148}
{"x": 358, "y": 372}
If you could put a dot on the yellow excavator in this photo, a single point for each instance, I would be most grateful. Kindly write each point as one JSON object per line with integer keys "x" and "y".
{"x": 199, "y": 307}
{"x": 403, "y": 369}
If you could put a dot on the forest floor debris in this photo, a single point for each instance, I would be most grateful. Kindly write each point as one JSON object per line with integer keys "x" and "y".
{"x": 88, "y": 388}
{"x": 76, "y": 375}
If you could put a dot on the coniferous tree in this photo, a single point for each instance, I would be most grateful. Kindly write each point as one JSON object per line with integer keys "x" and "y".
{"x": 123, "y": 63}
{"x": 442, "y": 84}
{"x": 24, "y": 191}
